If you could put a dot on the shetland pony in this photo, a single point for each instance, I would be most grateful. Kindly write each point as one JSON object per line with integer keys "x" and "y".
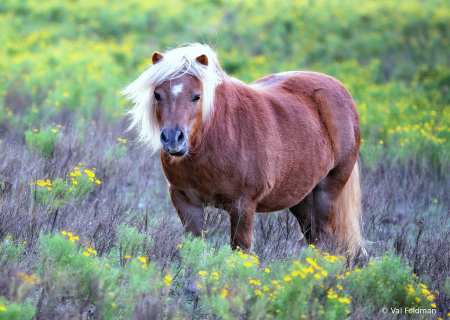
{"x": 288, "y": 140}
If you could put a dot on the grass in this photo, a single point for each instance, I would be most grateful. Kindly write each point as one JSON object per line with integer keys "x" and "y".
{"x": 112, "y": 246}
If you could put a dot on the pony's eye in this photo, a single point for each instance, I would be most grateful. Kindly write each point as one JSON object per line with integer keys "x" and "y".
{"x": 196, "y": 98}
{"x": 157, "y": 96}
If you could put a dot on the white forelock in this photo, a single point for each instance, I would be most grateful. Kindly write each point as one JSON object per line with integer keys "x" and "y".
{"x": 176, "y": 63}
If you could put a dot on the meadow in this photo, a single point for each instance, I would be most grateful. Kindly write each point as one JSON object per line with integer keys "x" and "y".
{"x": 87, "y": 230}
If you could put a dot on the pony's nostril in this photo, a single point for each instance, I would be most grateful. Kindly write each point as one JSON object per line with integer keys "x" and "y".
{"x": 164, "y": 136}
{"x": 179, "y": 136}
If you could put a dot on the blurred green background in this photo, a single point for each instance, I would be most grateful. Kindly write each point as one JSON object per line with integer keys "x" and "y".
{"x": 73, "y": 57}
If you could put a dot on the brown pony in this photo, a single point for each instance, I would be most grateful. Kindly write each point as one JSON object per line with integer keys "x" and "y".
{"x": 288, "y": 140}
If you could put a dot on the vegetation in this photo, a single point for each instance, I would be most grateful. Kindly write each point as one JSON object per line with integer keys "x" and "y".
{"x": 86, "y": 227}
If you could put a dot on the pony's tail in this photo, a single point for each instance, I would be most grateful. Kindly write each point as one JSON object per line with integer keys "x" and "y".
{"x": 348, "y": 230}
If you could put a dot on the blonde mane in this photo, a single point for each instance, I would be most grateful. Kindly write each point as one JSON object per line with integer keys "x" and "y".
{"x": 176, "y": 63}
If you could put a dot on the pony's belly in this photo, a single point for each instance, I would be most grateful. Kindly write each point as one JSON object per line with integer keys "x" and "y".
{"x": 279, "y": 202}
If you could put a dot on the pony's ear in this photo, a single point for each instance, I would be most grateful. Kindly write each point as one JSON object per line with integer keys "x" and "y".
{"x": 156, "y": 56}
{"x": 203, "y": 59}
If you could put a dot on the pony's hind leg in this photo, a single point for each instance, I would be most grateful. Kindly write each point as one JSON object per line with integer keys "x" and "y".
{"x": 303, "y": 212}
{"x": 313, "y": 214}
{"x": 319, "y": 213}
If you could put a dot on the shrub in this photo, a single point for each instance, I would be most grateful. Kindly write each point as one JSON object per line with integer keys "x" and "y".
{"x": 42, "y": 141}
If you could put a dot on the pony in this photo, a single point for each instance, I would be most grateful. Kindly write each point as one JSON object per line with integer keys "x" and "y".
{"x": 289, "y": 140}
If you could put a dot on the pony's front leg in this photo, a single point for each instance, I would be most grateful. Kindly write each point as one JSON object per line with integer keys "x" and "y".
{"x": 189, "y": 209}
{"x": 242, "y": 218}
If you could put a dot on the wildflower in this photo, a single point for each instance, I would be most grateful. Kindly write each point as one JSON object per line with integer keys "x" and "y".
{"x": 231, "y": 265}
{"x": 113, "y": 304}
{"x": 75, "y": 182}
{"x": 248, "y": 264}
{"x": 89, "y": 173}
{"x": 267, "y": 270}
{"x": 199, "y": 286}
{"x": 86, "y": 254}
{"x": 63, "y": 232}
{"x": 258, "y": 292}
{"x": 168, "y": 277}
{"x": 433, "y": 305}
{"x": 127, "y": 256}
{"x": 180, "y": 245}
{"x": 142, "y": 259}
{"x": 266, "y": 288}
{"x": 317, "y": 275}
{"x": 344, "y": 300}
{"x": 24, "y": 242}
{"x": 287, "y": 278}
{"x": 202, "y": 273}
{"x": 2, "y": 308}
{"x": 257, "y": 282}
{"x": 54, "y": 130}
{"x": 224, "y": 293}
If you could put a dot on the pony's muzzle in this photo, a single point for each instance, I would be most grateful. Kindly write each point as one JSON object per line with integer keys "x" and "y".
{"x": 174, "y": 141}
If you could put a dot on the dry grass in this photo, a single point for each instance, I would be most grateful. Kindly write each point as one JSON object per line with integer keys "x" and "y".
{"x": 400, "y": 214}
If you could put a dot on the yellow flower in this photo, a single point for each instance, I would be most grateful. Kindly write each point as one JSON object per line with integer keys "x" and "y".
{"x": 24, "y": 242}
{"x": 287, "y": 278}
{"x": 317, "y": 275}
{"x": 344, "y": 300}
{"x": 258, "y": 292}
{"x": 202, "y": 273}
{"x": 199, "y": 286}
{"x": 63, "y": 232}
{"x": 2, "y": 308}
{"x": 127, "y": 256}
{"x": 231, "y": 265}
{"x": 417, "y": 299}
{"x": 75, "y": 182}
{"x": 113, "y": 304}
{"x": 433, "y": 305}
{"x": 168, "y": 277}
{"x": 86, "y": 254}
{"x": 267, "y": 270}
{"x": 180, "y": 245}
{"x": 54, "y": 130}
{"x": 224, "y": 293}
{"x": 142, "y": 259}
{"x": 248, "y": 264}
{"x": 89, "y": 173}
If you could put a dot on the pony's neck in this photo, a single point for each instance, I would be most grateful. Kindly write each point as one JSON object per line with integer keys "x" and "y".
{"x": 229, "y": 95}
